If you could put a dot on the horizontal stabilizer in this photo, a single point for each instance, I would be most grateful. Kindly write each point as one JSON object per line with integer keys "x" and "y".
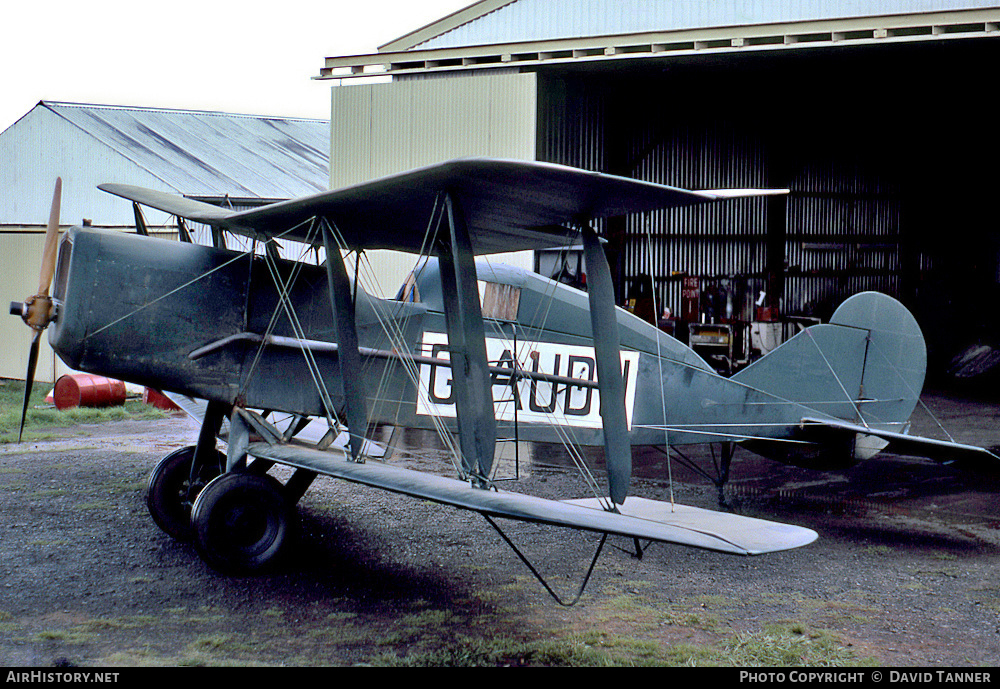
{"x": 944, "y": 451}
{"x": 687, "y": 531}
{"x": 749, "y": 535}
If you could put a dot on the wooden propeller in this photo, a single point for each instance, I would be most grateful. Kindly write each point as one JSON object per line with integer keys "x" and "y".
{"x": 37, "y": 311}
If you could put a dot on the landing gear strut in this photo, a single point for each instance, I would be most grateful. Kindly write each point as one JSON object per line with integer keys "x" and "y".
{"x": 721, "y": 465}
{"x": 239, "y": 518}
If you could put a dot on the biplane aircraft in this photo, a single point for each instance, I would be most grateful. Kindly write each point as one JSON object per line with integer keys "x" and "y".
{"x": 466, "y": 349}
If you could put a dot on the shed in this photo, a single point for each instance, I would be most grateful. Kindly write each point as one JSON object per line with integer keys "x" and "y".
{"x": 876, "y": 115}
{"x": 242, "y": 160}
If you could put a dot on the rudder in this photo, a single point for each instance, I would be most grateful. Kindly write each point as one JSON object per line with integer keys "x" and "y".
{"x": 866, "y": 365}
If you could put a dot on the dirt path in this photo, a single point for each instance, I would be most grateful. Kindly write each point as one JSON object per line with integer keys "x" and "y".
{"x": 904, "y": 572}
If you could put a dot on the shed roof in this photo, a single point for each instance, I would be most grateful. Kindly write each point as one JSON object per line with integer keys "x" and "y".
{"x": 529, "y": 33}
{"x": 194, "y": 153}
{"x": 538, "y": 20}
{"x": 200, "y": 153}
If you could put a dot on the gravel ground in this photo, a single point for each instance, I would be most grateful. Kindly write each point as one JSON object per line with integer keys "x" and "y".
{"x": 903, "y": 573}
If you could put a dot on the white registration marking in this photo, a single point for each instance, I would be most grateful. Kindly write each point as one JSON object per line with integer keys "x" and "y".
{"x": 535, "y": 401}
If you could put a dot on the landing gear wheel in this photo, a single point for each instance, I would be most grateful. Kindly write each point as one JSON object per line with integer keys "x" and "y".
{"x": 242, "y": 522}
{"x": 171, "y": 490}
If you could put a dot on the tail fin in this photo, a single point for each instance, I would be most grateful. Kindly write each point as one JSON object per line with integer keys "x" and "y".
{"x": 866, "y": 365}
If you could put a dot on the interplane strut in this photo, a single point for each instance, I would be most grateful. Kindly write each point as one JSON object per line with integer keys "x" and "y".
{"x": 467, "y": 345}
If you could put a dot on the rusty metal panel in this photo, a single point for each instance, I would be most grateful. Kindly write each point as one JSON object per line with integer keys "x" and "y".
{"x": 499, "y": 301}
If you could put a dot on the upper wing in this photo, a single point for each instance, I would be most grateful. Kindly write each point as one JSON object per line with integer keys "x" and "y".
{"x": 508, "y": 205}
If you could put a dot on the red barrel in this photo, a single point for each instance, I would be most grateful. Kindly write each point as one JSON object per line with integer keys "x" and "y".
{"x": 85, "y": 390}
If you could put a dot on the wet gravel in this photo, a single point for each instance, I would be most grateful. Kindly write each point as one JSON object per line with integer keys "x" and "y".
{"x": 904, "y": 571}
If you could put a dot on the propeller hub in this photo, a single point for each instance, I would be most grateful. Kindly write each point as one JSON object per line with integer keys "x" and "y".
{"x": 37, "y": 311}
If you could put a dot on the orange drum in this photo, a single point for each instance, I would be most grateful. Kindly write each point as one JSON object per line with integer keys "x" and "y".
{"x": 85, "y": 390}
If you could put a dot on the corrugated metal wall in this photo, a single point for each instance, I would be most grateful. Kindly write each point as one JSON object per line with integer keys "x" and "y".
{"x": 842, "y": 227}
{"x": 717, "y": 242}
{"x": 843, "y": 230}
{"x": 586, "y": 125}
{"x": 42, "y": 146}
{"x": 381, "y": 129}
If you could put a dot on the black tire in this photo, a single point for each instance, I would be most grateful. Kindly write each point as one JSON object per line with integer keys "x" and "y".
{"x": 170, "y": 491}
{"x": 242, "y": 523}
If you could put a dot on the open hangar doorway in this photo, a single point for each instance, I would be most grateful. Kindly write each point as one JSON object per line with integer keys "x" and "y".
{"x": 889, "y": 153}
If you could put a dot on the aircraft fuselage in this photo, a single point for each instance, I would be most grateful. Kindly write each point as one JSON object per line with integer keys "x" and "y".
{"x": 190, "y": 319}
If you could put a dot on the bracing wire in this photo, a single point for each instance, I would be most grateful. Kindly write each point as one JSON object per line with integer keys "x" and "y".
{"x": 286, "y": 305}
{"x": 913, "y": 392}
{"x": 237, "y": 257}
{"x": 393, "y": 331}
{"x": 563, "y": 430}
{"x": 849, "y": 396}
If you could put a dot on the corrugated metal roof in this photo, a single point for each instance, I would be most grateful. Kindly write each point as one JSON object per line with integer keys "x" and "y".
{"x": 212, "y": 154}
{"x": 537, "y": 34}
{"x": 544, "y": 20}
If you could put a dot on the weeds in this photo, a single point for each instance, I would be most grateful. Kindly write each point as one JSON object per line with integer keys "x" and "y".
{"x": 42, "y": 416}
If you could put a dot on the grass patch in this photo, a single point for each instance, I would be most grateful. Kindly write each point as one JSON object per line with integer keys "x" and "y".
{"x": 938, "y": 555}
{"x": 881, "y": 550}
{"x": 90, "y": 630}
{"x": 8, "y": 622}
{"x": 219, "y": 646}
{"x": 788, "y": 646}
{"x": 778, "y": 646}
{"x": 46, "y": 417}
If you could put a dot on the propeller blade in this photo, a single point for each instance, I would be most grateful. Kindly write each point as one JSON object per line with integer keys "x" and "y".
{"x": 51, "y": 242}
{"x": 29, "y": 379}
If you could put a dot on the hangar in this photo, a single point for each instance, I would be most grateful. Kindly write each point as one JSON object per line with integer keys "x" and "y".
{"x": 239, "y": 160}
{"x": 875, "y": 115}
